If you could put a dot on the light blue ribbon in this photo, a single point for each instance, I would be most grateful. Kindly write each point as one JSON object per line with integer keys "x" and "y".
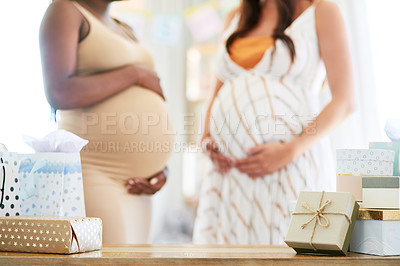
{"x": 29, "y": 190}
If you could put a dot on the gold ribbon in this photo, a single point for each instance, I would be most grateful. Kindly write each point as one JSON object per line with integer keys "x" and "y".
{"x": 319, "y": 214}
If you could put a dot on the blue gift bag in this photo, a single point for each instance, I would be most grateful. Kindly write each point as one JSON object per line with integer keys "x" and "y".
{"x": 51, "y": 184}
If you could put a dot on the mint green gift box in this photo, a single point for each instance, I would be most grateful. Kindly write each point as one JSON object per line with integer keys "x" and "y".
{"x": 393, "y": 146}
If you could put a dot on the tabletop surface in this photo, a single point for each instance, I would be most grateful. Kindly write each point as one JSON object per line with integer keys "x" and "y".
{"x": 194, "y": 255}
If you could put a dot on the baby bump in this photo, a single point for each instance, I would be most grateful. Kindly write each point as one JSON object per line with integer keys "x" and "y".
{"x": 130, "y": 134}
{"x": 255, "y": 109}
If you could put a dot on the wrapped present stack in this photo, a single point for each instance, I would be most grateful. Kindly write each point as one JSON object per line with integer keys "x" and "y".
{"x": 363, "y": 215}
{"x": 377, "y": 227}
{"x": 354, "y": 164}
{"x": 41, "y": 199}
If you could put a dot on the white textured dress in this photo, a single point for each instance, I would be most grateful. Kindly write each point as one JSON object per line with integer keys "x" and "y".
{"x": 272, "y": 102}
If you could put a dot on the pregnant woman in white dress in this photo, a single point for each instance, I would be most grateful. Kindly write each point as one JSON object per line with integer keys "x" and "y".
{"x": 265, "y": 128}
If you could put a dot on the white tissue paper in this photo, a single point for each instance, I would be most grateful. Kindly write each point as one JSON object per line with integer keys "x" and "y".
{"x": 3, "y": 147}
{"x": 392, "y": 129}
{"x": 57, "y": 141}
{"x": 51, "y": 178}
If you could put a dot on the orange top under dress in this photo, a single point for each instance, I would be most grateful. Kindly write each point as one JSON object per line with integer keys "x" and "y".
{"x": 247, "y": 52}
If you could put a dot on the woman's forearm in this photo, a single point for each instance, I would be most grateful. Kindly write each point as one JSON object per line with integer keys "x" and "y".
{"x": 83, "y": 91}
{"x": 335, "y": 52}
{"x": 329, "y": 118}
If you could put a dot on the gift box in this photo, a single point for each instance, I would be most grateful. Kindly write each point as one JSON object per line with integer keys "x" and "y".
{"x": 350, "y": 183}
{"x": 381, "y": 192}
{"x": 377, "y": 232}
{"x": 364, "y": 162}
{"x": 322, "y": 223}
{"x": 10, "y": 201}
{"x": 393, "y": 146}
{"x": 51, "y": 184}
{"x": 50, "y": 234}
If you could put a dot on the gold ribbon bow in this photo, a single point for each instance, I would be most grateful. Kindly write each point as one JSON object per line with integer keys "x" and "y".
{"x": 319, "y": 214}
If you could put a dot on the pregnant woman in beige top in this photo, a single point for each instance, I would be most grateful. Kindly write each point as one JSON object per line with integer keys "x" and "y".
{"x": 101, "y": 81}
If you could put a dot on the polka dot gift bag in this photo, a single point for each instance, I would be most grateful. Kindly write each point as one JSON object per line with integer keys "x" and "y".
{"x": 51, "y": 178}
{"x": 10, "y": 202}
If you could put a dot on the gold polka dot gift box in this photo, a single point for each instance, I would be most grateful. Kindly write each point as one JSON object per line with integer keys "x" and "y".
{"x": 61, "y": 235}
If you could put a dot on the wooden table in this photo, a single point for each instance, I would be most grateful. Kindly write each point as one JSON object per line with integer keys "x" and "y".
{"x": 194, "y": 255}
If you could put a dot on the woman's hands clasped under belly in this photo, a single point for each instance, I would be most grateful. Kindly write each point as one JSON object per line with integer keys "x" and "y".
{"x": 266, "y": 159}
{"x": 223, "y": 163}
{"x": 261, "y": 160}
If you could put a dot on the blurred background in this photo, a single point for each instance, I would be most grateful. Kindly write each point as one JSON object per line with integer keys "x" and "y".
{"x": 183, "y": 36}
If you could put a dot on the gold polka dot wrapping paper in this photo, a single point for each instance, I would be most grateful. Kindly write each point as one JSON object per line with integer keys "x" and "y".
{"x": 61, "y": 235}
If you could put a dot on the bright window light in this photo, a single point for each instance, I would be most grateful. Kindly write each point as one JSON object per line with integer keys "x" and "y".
{"x": 383, "y": 22}
{"x": 23, "y": 107}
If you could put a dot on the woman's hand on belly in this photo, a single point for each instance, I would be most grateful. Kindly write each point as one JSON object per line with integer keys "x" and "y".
{"x": 148, "y": 79}
{"x": 149, "y": 186}
{"x": 266, "y": 159}
{"x": 222, "y": 163}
